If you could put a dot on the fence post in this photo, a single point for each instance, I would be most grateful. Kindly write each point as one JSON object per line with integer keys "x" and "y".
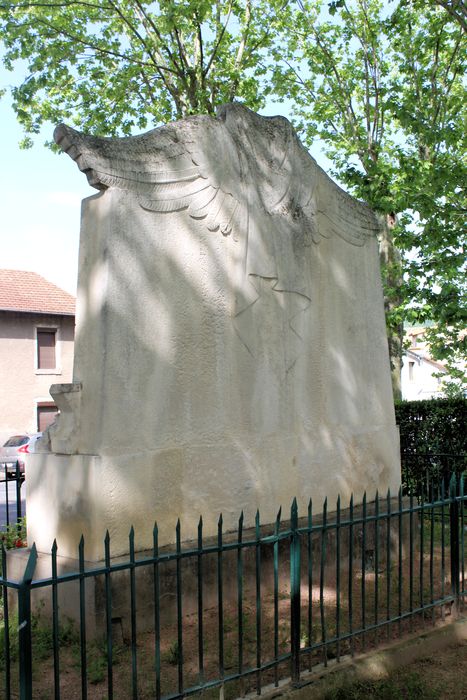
{"x": 295, "y": 593}
{"x": 7, "y": 500}
{"x": 18, "y": 495}
{"x": 24, "y": 628}
{"x": 454, "y": 540}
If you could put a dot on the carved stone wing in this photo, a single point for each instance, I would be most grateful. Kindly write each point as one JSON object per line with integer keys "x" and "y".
{"x": 215, "y": 167}
{"x": 191, "y": 165}
{"x": 341, "y": 215}
{"x": 302, "y": 201}
{"x": 316, "y": 202}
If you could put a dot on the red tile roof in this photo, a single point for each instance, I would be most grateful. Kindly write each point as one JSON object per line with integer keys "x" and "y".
{"x": 29, "y": 292}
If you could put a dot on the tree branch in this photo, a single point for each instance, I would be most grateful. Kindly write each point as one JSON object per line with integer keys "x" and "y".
{"x": 90, "y": 45}
{"x": 218, "y": 42}
{"x": 28, "y": 5}
{"x": 346, "y": 107}
{"x": 241, "y": 51}
{"x": 457, "y": 10}
{"x": 148, "y": 21}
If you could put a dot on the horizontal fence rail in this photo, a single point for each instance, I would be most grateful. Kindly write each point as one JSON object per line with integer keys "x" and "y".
{"x": 240, "y": 610}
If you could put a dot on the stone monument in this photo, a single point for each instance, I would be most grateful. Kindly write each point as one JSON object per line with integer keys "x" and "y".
{"x": 230, "y": 347}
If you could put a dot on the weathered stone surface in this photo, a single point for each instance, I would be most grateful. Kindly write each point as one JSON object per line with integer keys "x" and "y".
{"x": 231, "y": 345}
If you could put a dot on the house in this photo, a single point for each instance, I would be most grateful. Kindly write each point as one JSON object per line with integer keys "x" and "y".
{"x": 420, "y": 373}
{"x": 37, "y": 322}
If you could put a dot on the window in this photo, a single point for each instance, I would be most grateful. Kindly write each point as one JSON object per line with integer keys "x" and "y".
{"x": 46, "y": 413}
{"x": 411, "y": 369}
{"x": 46, "y": 344}
{"x": 16, "y": 441}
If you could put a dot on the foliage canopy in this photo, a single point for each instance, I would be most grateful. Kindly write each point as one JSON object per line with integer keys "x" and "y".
{"x": 111, "y": 66}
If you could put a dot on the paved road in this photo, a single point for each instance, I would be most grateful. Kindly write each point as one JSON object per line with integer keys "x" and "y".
{"x": 11, "y": 501}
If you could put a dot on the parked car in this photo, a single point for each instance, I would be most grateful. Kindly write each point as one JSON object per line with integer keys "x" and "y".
{"x": 14, "y": 450}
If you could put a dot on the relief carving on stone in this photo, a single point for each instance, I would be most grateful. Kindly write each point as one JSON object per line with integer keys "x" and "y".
{"x": 244, "y": 175}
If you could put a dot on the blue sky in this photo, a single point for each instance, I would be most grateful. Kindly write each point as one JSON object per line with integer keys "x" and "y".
{"x": 41, "y": 195}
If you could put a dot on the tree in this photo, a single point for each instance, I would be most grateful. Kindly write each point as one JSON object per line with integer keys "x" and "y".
{"x": 429, "y": 100}
{"x": 112, "y": 65}
{"x": 385, "y": 94}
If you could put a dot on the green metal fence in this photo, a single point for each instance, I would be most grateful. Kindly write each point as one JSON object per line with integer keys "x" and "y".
{"x": 13, "y": 502}
{"x": 242, "y": 610}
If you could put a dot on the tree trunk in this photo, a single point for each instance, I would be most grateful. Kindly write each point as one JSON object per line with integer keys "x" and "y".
{"x": 391, "y": 274}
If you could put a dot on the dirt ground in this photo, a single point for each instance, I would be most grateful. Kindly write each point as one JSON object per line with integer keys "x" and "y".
{"x": 445, "y": 674}
{"x": 440, "y": 676}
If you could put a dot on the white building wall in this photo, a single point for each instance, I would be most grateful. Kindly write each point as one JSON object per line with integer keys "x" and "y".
{"x": 418, "y": 379}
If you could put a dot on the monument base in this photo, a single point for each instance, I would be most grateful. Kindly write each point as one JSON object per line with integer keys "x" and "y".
{"x": 70, "y": 496}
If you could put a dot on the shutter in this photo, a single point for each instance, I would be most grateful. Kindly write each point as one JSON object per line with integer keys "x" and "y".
{"x": 45, "y": 417}
{"x": 46, "y": 350}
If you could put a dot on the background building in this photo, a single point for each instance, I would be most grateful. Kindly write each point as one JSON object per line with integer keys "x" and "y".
{"x": 37, "y": 322}
{"x": 420, "y": 373}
